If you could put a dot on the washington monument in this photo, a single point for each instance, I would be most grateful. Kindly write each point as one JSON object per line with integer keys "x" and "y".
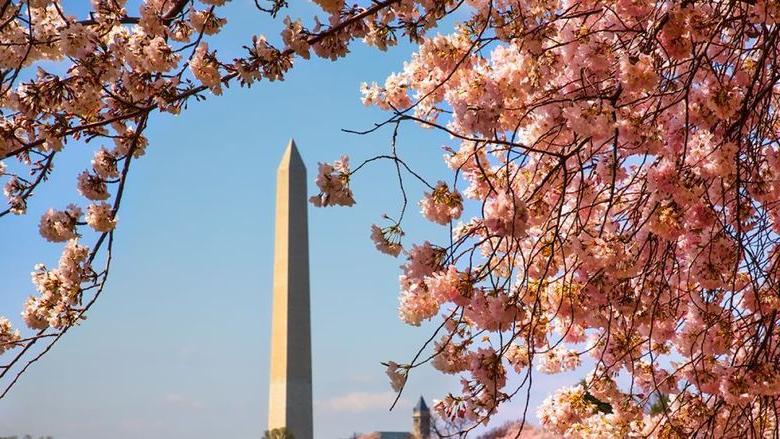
{"x": 290, "y": 403}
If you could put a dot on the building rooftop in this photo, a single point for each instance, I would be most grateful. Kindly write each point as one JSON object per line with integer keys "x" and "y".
{"x": 386, "y": 435}
{"x": 421, "y": 406}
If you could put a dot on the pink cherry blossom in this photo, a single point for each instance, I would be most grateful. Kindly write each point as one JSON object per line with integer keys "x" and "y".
{"x": 9, "y": 337}
{"x": 205, "y": 68}
{"x": 92, "y": 187}
{"x": 100, "y": 217}
{"x": 59, "y": 226}
{"x": 442, "y": 205}
{"x": 104, "y": 164}
{"x": 397, "y": 375}
{"x": 506, "y": 215}
{"x": 387, "y": 240}
{"x": 333, "y": 181}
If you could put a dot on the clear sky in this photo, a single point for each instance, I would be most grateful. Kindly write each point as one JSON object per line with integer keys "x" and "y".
{"x": 177, "y": 346}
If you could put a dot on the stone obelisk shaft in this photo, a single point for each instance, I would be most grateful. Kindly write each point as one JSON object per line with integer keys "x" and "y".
{"x": 290, "y": 400}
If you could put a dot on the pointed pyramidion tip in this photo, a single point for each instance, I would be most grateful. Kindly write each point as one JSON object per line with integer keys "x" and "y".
{"x": 291, "y": 159}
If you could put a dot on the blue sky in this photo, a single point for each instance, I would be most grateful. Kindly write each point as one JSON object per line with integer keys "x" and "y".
{"x": 178, "y": 344}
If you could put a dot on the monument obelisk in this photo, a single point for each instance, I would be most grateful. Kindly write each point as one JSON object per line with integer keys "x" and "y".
{"x": 290, "y": 401}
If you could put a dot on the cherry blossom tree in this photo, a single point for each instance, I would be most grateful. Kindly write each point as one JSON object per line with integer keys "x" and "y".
{"x": 98, "y": 79}
{"x": 613, "y": 194}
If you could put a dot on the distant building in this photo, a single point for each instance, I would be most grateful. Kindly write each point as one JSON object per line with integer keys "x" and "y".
{"x": 421, "y": 420}
{"x": 386, "y": 435}
{"x": 421, "y": 426}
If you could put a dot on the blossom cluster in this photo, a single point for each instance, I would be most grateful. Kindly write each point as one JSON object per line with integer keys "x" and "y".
{"x": 333, "y": 181}
{"x": 57, "y": 304}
